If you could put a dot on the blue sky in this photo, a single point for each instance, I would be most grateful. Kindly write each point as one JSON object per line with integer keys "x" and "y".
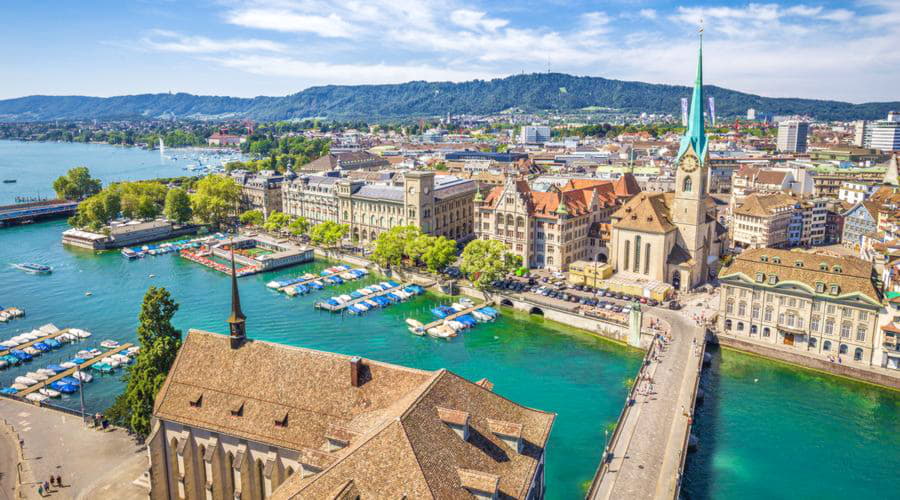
{"x": 847, "y": 50}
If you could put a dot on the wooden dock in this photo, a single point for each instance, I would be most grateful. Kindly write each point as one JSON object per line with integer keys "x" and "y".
{"x": 455, "y": 315}
{"x": 4, "y": 352}
{"x": 328, "y": 307}
{"x": 70, "y": 371}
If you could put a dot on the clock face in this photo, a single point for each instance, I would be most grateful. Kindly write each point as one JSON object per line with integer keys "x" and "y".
{"x": 688, "y": 164}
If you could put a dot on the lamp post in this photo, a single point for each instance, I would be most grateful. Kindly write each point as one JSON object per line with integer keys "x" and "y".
{"x": 605, "y": 444}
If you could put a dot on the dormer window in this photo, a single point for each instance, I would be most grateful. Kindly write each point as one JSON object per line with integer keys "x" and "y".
{"x": 457, "y": 420}
{"x": 508, "y": 432}
{"x": 776, "y": 260}
{"x": 196, "y": 400}
{"x": 764, "y": 258}
{"x": 773, "y": 279}
{"x": 282, "y": 421}
{"x": 760, "y": 277}
{"x": 820, "y": 287}
{"x": 798, "y": 263}
{"x": 237, "y": 410}
{"x": 823, "y": 266}
{"x": 837, "y": 269}
{"x": 835, "y": 289}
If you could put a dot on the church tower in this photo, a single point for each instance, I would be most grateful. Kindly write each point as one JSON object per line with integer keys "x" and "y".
{"x": 692, "y": 171}
{"x": 237, "y": 321}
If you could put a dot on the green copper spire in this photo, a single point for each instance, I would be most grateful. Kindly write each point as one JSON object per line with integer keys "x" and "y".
{"x": 478, "y": 196}
{"x": 696, "y": 135}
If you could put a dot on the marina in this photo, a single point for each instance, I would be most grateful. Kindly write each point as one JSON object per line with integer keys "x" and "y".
{"x": 351, "y": 302}
{"x": 452, "y": 319}
{"x": 68, "y": 372}
{"x": 302, "y": 284}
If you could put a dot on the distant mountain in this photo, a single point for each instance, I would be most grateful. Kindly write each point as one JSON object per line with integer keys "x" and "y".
{"x": 534, "y": 92}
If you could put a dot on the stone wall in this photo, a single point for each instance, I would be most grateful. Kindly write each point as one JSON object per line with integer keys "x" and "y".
{"x": 842, "y": 370}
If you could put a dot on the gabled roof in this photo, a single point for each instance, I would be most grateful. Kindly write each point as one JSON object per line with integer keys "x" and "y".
{"x": 645, "y": 212}
{"x": 575, "y": 197}
{"x": 763, "y": 205}
{"x": 398, "y": 444}
{"x": 627, "y": 185}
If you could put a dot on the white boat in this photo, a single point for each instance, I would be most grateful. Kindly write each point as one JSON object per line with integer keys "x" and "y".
{"x": 27, "y": 382}
{"x": 19, "y": 387}
{"x": 46, "y": 371}
{"x": 346, "y": 298}
{"x": 457, "y": 306}
{"x": 95, "y": 352}
{"x": 40, "y": 377}
{"x": 82, "y": 376}
{"x": 415, "y": 327}
{"x": 480, "y": 316}
{"x": 362, "y": 306}
{"x": 50, "y": 393}
{"x": 68, "y": 364}
{"x": 371, "y": 303}
{"x": 109, "y": 344}
{"x": 33, "y": 351}
{"x": 466, "y": 302}
{"x": 455, "y": 325}
{"x": 36, "y": 397}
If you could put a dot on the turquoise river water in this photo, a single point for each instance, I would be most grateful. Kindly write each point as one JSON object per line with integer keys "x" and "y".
{"x": 766, "y": 431}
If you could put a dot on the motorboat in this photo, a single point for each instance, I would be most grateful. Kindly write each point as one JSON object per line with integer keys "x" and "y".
{"x": 109, "y": 344}
{"x": 50, "y": 393}
{"x": 26, "y": 381}
{"x": 33, "y": 268}
{"x": 415, "y": 327}
{"x": 83, "y": 376}
{"x": 36, "y": 397}
{"x": 40, "y": 377}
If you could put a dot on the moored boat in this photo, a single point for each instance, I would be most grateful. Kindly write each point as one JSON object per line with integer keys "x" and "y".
{"x": 31, "y": 267}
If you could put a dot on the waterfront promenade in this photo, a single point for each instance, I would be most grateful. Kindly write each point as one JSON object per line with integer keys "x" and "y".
{"x": 93, "y": 464}
{"x": 647, "y": 453}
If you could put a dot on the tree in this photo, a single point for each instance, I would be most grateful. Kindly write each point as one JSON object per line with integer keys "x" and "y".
{"x": 391, "y": 245}
{"x": 252, "y": 218}
{"x": 440, "y": 254}
{"x": 484, "y": 261}
{"x": 328, "y": 233}
{"x": 77, "y": 184}
{"x": 178, "y": 206}
{"x": 299, "y": 226}
{"x": 416, "y": 245}
{"x": 159, "y": 342}
{"x": 216, "y": 197}
{"x": 276, "y": 221}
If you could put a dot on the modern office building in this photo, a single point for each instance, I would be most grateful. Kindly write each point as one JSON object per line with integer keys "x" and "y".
{"x": 535, "y": 134}
{"x": 792, "y": 136}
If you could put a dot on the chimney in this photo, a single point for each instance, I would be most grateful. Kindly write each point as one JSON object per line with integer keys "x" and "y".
{"x": 355, "y": 365}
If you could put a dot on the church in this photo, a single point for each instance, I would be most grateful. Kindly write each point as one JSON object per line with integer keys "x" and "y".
{"x": 673, "y": 237}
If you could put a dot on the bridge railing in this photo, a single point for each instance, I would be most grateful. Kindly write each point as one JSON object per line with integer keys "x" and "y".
{"x": 690, "y": 421}
{"x": 623, "y": 415}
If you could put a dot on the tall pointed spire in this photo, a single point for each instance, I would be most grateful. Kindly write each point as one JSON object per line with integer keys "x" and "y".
{"x": 696, "y": 134}
{"x": 237, "y": 321}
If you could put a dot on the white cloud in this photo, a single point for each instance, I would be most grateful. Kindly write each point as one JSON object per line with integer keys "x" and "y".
{"x": 168, "y": 41}
{"x": 647, "y": 13}
{"x": 330, "y": 26}
{"x": 473, "y": 19}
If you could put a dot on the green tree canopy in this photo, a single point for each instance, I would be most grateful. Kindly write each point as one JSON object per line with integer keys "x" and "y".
{"x": 276, "y": 221}
{"x": 484, "y": 261}
{"x": 439, "y": 254}
{"x": 77, "y": 184}
{"x": 252, "y": 218}
{"x": 178, "y": 206}
{"x": 391, "y": 245}
{"x": 299, "y": 226}
{"x": 159, "y": 342}
{"x": 328, "y": 233}
{"x": 216, "y": 197}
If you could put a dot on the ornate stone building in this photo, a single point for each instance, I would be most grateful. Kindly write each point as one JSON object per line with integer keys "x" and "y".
{"x": 551, "y": 229}
{"x": 262, "y": 190}
{"x": 241, "y": 418}
{"x": 815, "y": 304}
{"x": 311, "y": 196}
{"x": 673, "y": 237}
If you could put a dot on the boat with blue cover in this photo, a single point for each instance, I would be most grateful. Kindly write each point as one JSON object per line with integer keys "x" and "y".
{"x": 56, "y": 368}
{"x": 40, "y": 346}
{"x": 22, "y": 355}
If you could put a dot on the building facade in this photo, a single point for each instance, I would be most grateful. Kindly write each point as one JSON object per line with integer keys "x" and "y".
{"x": 860, "y": 220}
{"x": 551, "y": 229}
{"x": 792, "y": 136}
{"x": 262, "y": 190}
{"x": 814, "y": 304}
{"x": 311, "y": 196}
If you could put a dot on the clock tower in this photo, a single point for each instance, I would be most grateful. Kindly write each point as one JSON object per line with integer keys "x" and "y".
{"x": 692, "y": 170}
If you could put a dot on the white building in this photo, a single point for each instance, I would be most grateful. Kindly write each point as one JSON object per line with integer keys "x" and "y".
{"x": 792, "y": 136}
{"x": 886, "y": 135}
{"x": 856, "y": 191}
{"x": 534, "y": 134}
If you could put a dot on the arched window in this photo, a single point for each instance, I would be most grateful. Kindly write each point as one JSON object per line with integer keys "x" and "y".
{"x": 843, "y": 349}
{"x": 728, "y": 324}
{"x": 740, "y": 326}
{"x": 812, "y": 342}
{"x": 646, "y": 258}
{"x": 509, "y": 220}
{"x": 826, "y": 346}
{"x": 688, "y": 185}
{"x": 845, "y": 330}
{"x": 858, "y": 354}
{"x": 753, "y": 329}
{"x": 627, "y": 253}
{"x": 766, "y": 331}
{"x": 637, "y": 253}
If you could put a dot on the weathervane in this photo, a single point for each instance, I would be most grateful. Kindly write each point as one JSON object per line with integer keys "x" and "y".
{"x": 701, "y": 28}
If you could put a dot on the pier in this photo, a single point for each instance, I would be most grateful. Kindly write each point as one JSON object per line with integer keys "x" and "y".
{"x": 340, "y": 307}
{"x": 30, "y": 343}
{"x": 70, "y": 371}
{"x": 310, "y": 280}
{"x": 646, "y": 452}
{"x": 455, "y": 315}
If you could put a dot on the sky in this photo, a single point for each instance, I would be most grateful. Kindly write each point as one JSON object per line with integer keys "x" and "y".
{"x": 846, "y": 50}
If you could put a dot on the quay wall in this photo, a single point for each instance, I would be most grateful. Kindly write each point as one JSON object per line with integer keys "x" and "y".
{"x": 841, "y": 370}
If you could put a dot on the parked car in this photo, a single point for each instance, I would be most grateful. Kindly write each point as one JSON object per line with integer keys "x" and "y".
{"x": 674, "y": 305}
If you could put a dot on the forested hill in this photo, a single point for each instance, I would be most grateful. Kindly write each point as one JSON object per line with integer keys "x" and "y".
{"x": 534, "y": 92}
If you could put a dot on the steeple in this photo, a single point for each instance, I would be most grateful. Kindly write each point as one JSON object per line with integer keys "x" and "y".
{"x": 695, "y": 135}
{"x": 478, "y": 197}
{"x": 237, "y": 320}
